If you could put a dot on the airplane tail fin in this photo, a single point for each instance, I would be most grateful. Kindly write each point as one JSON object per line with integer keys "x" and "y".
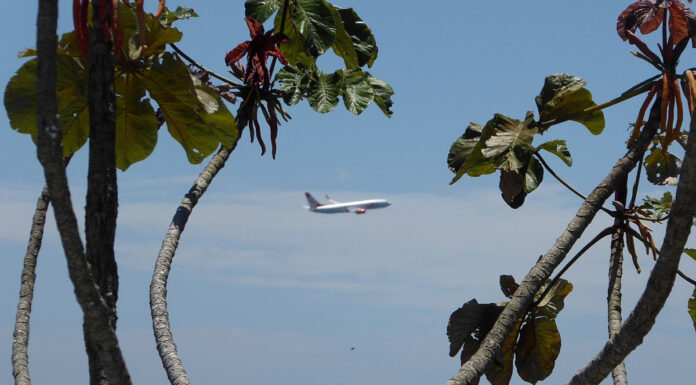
{"x": 312, "y": 202}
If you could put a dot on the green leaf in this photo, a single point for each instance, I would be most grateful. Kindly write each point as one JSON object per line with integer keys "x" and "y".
{"x": 181, "y": 13}
{"x": 661, "y": 167}
{"x": 169, "y": 83}
{"x": 136, "y": 123}
{"x": 364, "y": 43}
{"x": 510, "y": 145}
{"x": 315, "y": 23}
{"x": 261, "y": 10}
{"x": 159, "y": 35}
{"x": 294, "y": 83}
{"x": 382, "y": 93}
{"x": 465, "y": 155}
{"x": 533, "y": 175}
{"x": 564, "y": 97}
{"x": 343, "y": 44}
{"x": 294, "y": 48}
{"x": 692, "y": 307}
{"x": 324, "y": 90}
{"x": 217, "y": 116}
{"x": 501, "y": 373}
{"x": 21, "y": 106}
{"x": 537, "y": 348}
{"x": 657, "y": 208}
{"x": 691, "y": 253}
{"x": 558, "y": 148}
{"x": 357, "y": 93}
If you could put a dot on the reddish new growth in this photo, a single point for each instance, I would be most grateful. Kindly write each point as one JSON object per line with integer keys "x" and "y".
{"x": 258, "y": 49}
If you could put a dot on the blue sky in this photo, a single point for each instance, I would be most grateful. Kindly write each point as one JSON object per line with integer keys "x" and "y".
{"x": 263, "y": 291}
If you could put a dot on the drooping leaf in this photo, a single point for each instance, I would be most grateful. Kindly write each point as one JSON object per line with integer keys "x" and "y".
{"x": 558, "y": 148}
{"x": 136, "y": 124}
{"x": 690, "y": 252}
{"x": 364, "y": 42}
{"x": 357, "y": 93}
{"x": 343, "y": 44}
{"x": 465, "y": 155}
{"x": 294, "y": 83}
{"x": 261, "y": 10}
{"x": 382, "y": 93}
{"x": 21, "y": 106}
{"x": 181, "y": 13}
{"x": 511, "y": 187}
{"x": 661, "y": 167}
{"x": 554, "y": 298}
{"x": 324, "y": 90}
{"x": 501, "y": 373}
{"x": 315, "y": 23}
{"x": 169, "y": 83}
{"x": 533, "y": 176}
{"x": 508, "y": 285}
{"x": 510, "y": 145}
{"x": 472, "y": 317}
{"x": 537, "y": 349}
{"x": 692, "y": 307}
{"x": 564, "y": 97}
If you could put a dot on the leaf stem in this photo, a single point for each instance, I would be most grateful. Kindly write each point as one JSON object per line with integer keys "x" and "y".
{"x": 199, "y": 66}
{"x": 282, "y": 27}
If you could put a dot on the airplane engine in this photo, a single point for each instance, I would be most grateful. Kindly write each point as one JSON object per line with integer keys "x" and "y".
{"x": 360, "y": 211}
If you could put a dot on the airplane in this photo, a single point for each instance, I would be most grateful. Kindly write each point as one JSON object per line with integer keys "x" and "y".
{"x": 358, "y": 207}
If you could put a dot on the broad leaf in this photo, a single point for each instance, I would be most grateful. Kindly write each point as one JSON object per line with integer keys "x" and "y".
{"x": 159, "y": 35}
{"x": 136, "y": 123}
{"x": 537, "y": 348}
{"x": 558, "y": 148}
{"x": 169, "y": 83}
{"x": 315, "y": 22}
{"x": 21, "y": 106}
{"x": 692, "y": 307}
{"x": 357, "y": 93}
{"x": 554, "y": 298}
{"x": 564, "y": 97}
{"x": 471, "y": 318}
{"x": 324, "y": 90}
{"x": 508, "y": 285}
{"x": 343, "y": 44}
{"x": 181, "y": 13}
{"x": 500, "y": 373}
{"x": 294, "y": 83}
{"x": 533, "y": 175}
{"x": 217, "y": 116}
{"x": 382, "y": 93}
{"x": 364, "y": 42}
{"x": 465, "y": 153}
{"x": 661, "y": 167}
{"x": 510, "y": 145}
{"x": 294, "y": 48}
{"x": 261, "y": 10}
{"x": 511, "y": 187}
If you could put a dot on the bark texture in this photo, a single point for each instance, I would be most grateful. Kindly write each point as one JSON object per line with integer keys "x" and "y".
{"x": 476, "y": 366}
{"x": 20, "y": 343}
{"x": 661, "y": 280}
{"x": 158, "y": 287}
{"x": 102, "y": 193}
{"x": 50, "y": 153}
{"x": 614, "y": 296}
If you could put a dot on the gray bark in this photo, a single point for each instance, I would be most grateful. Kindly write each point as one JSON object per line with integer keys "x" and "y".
{"x": 158, "y": 287}
{"x": 20, "y": 344}
{"x": 50, "y": 154}
{"x": 476, "y": 366}
{"x": 614, "y": 296}
{"x": 661, "y": 280}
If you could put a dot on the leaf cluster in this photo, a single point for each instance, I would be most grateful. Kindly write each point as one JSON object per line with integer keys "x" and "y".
{"x": 312, "y": 27}
{"x": 195, "y": 115}
{"x": 506, "y": 145}
{"x": 534, "y": 343}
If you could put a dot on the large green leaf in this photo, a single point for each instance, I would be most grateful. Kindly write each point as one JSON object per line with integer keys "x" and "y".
{"x": 169, "y": 83}
{"x": 364, "y": 43}
{"x": 692, "y": 307}
{"x": 217, "y": 116}
{"x": 343, "y": 44}
{"x": 261, "y": 10}
{"x": 558, "y": 148}
{"x": 315, "y": 22}
{"x": 537, "y": 348}
{"x": 465, "y": 155}
{"x": 510, "y": 145}
{"x": 294, "y": 83}
{"x": 294, "y": 48}
{"x": 324, "y": 90}
{"x": 661, "y": 167}
{"x": 382, "y": 93}
{"x": 21, "y": 106}
{"x": 564, "y": 97}
{"x": 357, "y": 92}
{"x": 136, "y": 124}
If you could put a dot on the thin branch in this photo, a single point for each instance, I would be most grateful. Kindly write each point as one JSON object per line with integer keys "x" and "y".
{"x": 568, "y": 186}
{"x": 686, "y": 277}
{"x": 20, "y": 357}
{"x": 282, "y": 26}
{"x": 661, "y": 279}
{"x": 472, "y": 370}
{"x": 50, "y": 154}
{"x": 614, "y": 316}
{"x": 200, "y": 66}
{"x": 158, "y": 286}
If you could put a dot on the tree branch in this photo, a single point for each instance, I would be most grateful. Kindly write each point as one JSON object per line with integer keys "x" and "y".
{"x": 20, "y": 358}
{"x": 661, "y": 278}
{"x": 472, "y": 370}
{"x": 614, "y": 294}
{"x": 158, "y": 287}
{"x": 50, "y": 154}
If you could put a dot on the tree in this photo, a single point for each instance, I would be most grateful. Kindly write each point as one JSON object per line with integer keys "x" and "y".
{"x": 491, "y": 334}
{"x": 92, "y": 84}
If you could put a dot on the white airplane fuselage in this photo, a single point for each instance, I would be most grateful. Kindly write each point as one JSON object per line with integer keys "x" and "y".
{"x": 358, "y": 207}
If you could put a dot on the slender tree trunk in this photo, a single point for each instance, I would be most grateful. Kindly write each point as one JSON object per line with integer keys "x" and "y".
{"x": 661, "y": 280}
{"x": 158, "y": 287}
{"x": 20, "y": 356}
{"x": 614, "y": 296}
{"x": 50, "y": 153}
{"x": 476, "y": 366}
{"x": 102, "y": 192}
